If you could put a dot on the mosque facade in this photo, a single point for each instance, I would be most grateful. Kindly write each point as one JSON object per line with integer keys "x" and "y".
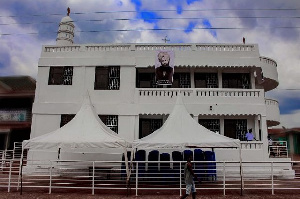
{"x": 223, "y": 87}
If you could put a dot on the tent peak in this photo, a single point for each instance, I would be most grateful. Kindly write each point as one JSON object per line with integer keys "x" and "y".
{"x": 87, "y": 99}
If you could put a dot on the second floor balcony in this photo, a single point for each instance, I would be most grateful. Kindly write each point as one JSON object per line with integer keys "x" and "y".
{"x": 202, "y": 100}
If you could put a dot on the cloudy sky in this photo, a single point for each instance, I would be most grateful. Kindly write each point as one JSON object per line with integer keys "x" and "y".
{"x": 26, "y": 25}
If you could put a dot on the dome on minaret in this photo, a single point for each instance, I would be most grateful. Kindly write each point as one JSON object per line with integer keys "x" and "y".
{"x": 65, "y": 34}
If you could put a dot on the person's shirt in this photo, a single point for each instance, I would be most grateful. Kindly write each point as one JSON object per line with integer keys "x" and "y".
{"x": 270, "y": 142}
{"x": 188, "y": 176}
{"x": 249, "y": 136}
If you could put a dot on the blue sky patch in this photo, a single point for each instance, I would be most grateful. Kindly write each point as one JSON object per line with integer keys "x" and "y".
{"x": 289, "y": 105}
{"x": 148, "y": 16}
{"x": 192, "y": 1}
{"x": 190, "y": 27}
{"x": 137, "y": 3}
{"x": 207, "y": 24}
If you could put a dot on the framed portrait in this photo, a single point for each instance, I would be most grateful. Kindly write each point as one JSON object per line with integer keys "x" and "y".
{"x": 164, "y": 67}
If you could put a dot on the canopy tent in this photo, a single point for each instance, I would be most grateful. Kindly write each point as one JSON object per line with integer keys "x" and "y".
{"x": 84, "y": 131}
{"x": 181, "y": 131}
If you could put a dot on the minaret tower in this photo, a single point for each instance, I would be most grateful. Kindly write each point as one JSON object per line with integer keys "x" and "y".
{"x": 65, "y": 32}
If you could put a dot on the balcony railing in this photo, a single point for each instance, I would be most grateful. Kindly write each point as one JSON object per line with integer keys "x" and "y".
{"x": 152, "y": 47}
{"x": 201, "y": 92}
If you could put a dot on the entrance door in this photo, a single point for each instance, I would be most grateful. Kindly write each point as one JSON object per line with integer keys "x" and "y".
{"x": 229, "y": 128}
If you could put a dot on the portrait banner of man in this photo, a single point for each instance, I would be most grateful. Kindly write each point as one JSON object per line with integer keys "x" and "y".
{"x": 164, "y": 67}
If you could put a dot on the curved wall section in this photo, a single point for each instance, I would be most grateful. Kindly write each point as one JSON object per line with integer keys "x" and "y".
{"x": 273, "y": 113}
{"x": 269, "y": 69}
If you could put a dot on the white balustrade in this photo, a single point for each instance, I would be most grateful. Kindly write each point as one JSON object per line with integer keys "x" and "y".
{"x": 268, "y": 61}
{"x": 154, "y": 47}
{"x": 251, "y": 144}
{"x": 201, "y": 92}
{"x": 61, "y": 48}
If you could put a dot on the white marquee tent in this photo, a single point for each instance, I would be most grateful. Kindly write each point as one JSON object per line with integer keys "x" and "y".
{"x": 181, "y": 131}
{"x": 84, "y": 131}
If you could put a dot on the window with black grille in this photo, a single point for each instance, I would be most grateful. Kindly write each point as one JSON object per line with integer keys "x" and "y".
{"x": 146, "y": 80}
{"x": 211, "y": 124}
{"x": 236, "y": 80}
{"x": 148, "y": 126}
{"x": 107, "y": 78}
{"x": 181, "y": 80}
{"x": 66, "y": 118}
{"x": 111, "y": 121}
{"x": 60, "y": 75}
{"x": 206, "y": 80}
{"x": 235, "y": 128}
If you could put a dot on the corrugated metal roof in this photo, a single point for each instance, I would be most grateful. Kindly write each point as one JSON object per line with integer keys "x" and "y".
{"x": 17, "y": 83}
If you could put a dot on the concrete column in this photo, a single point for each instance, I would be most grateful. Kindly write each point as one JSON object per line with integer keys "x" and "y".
{"x": 264, "y": 135}
{"x": 252, "y": 79}
{"x": 192, "y": 74}
{"x": 256, "y": 128}
{"x": 136, "y": 127}
{"x": 222, "y": 125}
{"x": 220, "y": 79}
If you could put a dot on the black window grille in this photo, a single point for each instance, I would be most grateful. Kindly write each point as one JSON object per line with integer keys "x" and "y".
{"x": 211, "y": 124}
{"x": 148, "y": 126}
{"x": 235, "y": 128}
{"x": 107, "y": 78}
{"x": 181, "y": 80}
{"x": 60, "y": 75}
{"x": 146, "y": 80}
{"x": 111, "y": 121}
{"x": 206, "y": 80}
{"x": 236, "y": 80}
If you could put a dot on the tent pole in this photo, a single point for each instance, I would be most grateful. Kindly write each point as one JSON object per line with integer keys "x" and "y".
{"x": 241, "y": 170}
{"x": 20, "y": 167}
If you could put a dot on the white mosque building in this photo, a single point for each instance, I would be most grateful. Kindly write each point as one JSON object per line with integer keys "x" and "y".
{"x": 222, "y": 86}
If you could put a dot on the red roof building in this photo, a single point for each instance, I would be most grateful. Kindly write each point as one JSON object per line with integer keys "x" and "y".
{"x": 16, "y": 99}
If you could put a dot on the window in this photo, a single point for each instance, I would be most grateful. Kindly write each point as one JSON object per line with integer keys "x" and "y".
{"x": 60, "y": 75}
{"x": 206, "y": 80}
{"x": 107, "y": 78}
{"x": 181, "y": 80}
{"x": 66, "y": 118}
{"x": 236, "y": 80}
{"x": 111, "y": 121}
{"x": 211, "y": 124}
{"x": 146, "y": 80}
{"x": 148, "y": 126}
{"x": 235, "y": 128}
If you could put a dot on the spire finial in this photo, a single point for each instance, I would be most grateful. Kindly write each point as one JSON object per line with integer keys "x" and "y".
{"x": 166, "y": 39}
{"x": 68, "y": 14}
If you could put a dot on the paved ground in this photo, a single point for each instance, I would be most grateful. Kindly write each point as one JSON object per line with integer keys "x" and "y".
{"x": 39, "y": 194}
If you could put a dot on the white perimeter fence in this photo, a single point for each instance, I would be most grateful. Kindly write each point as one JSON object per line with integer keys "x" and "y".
{"x": 100, "y": 176}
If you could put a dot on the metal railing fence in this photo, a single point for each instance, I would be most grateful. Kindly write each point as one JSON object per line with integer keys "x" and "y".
{"x": 98, "y": 176}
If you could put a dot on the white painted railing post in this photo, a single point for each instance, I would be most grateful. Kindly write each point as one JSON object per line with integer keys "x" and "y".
{"x": 136, "y": 178}
{"x": 50, "y": 183}
{"x": 180, "y": 179}
{"x": 224, "y": 173}
{"x": 272, "y": 176}
{"x": 9, "y": 176}
{"x": 93, "y": 178}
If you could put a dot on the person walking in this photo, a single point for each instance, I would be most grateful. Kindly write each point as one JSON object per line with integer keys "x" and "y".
{"x": 188, "y": 177}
